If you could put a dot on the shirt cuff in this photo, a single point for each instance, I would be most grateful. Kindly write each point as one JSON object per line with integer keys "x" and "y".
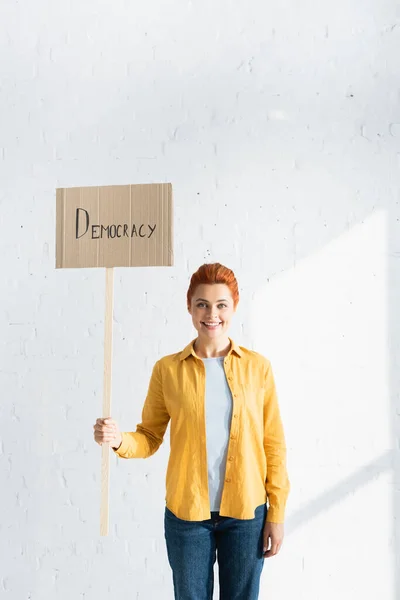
{"x": 275, "y": 515}
{"x": 122, "y": 448}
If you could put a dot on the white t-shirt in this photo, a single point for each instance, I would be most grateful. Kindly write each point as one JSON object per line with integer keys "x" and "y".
{"x": 218, "y": 411}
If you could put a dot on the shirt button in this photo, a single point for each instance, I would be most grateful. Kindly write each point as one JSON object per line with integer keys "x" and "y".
{"x": 228, "y": 479}
{"x": 230, "y": 458}
{"x": 235, "y": 416}
{"x": 233, "y": 437}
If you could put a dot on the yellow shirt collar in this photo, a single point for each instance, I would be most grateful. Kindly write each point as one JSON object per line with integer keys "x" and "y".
{"x": 189, "y": 349}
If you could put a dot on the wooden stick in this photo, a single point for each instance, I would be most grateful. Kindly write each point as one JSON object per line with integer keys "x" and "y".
{"x": 105, "y": 448}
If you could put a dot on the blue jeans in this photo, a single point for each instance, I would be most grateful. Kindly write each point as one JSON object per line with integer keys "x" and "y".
{"x": 191, "y": 548}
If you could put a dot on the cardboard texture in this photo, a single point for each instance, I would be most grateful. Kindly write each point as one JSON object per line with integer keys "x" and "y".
{"x": 114, "y": 226}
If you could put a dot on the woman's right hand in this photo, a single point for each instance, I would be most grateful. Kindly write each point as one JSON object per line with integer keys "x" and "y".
{"x": 106, "y": 431}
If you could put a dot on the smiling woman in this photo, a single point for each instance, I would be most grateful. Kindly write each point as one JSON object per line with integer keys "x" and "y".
{"x": 228, "y": 452}
{"x": 212, "y": 299}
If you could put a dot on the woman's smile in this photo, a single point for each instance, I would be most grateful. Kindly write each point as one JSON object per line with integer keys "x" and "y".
{"x": 211, "y": 325}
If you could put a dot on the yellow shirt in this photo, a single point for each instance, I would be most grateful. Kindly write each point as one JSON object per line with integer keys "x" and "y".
{"x": 256, "y": 459}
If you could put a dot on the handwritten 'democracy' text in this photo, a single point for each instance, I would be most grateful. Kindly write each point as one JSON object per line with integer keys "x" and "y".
{"x": 100, "y": 231}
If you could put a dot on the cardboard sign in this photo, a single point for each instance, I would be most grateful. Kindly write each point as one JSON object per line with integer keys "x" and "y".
{"x": 114, "y": 226}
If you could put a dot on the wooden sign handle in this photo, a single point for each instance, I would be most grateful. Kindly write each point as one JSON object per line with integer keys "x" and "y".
{"x": 105, "y": 448}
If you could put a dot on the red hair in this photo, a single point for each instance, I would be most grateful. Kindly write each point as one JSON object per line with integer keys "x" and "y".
{"x": 211, "y": 273}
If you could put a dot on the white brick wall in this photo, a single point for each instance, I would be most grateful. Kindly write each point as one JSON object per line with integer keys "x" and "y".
{"x": 279, "y": 126}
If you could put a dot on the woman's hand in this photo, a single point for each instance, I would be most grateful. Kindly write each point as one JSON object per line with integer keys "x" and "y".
{"x": 273, "y": 532}
{"x": 106, "y": 431}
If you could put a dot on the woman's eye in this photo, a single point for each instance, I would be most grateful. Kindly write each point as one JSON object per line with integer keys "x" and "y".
{"x": 202, "y": 304}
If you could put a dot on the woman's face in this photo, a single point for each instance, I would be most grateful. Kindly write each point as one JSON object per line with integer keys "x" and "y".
{"x": 212, "y": 310}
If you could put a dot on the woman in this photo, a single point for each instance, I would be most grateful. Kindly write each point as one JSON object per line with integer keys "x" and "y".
{"x": 228, "y": 453}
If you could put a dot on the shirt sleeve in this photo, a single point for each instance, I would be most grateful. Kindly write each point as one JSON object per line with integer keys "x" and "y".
{"x": 149, "y": 434}
{"x": 277, "y": 483}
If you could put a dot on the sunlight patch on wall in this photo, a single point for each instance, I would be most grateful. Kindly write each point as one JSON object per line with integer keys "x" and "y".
{"x": 323, "y": 324}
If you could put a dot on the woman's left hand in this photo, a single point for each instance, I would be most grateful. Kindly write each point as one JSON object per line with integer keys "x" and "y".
{"x": 273, "y": 532}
